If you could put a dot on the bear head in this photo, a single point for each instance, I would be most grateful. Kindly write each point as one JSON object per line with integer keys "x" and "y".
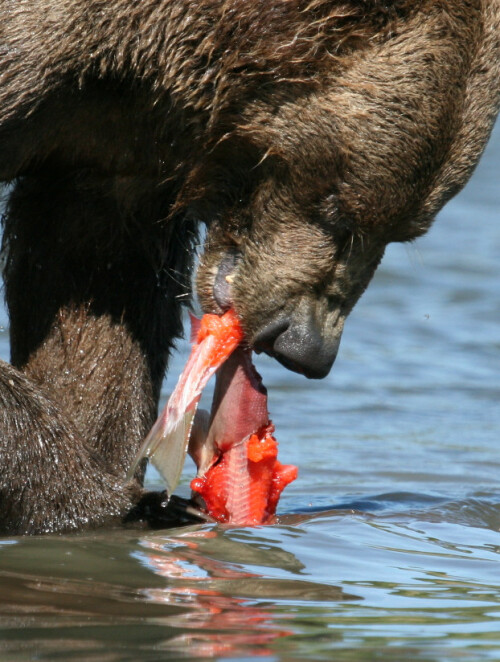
{"x": 327, "y": 140}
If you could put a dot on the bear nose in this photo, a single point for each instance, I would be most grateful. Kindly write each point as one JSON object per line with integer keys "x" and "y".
{"x": 299, "y": 345}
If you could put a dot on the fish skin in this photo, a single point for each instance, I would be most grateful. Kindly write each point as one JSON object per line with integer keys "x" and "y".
{"x": 238, "y": 485}
{"x": 239, "y": 402}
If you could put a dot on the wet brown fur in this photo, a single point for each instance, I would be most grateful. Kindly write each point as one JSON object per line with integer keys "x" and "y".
{"x": 305, "y": 134}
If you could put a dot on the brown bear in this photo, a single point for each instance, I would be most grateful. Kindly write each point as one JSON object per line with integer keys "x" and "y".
{"x": 305, "y": 134}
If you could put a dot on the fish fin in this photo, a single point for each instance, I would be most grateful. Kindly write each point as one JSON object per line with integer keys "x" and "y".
{"x": 169, "y": 452}
{"x": 166, "y": 447}
{"x": 148, "y": 446}
{"x": 195, "y": 327}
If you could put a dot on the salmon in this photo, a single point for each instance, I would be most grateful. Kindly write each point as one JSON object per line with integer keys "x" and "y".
{"x": 214, "y": 338}
{"x": 239, "y": 478}
{"x": 245, "y": 482}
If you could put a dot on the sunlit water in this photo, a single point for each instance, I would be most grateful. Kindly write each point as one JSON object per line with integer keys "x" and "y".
{"x": 388, "y": 546}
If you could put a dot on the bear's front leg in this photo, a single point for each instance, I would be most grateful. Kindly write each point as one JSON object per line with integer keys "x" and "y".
{"x": 49, "y": 479}
{"x": 93, "y": 308}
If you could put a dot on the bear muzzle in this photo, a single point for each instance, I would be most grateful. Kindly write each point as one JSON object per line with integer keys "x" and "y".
{"x": 303, "y": 339}
{"x": 298, "y": 343}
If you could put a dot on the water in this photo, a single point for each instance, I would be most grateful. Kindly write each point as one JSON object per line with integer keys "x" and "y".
{"x": 388, "y": 547}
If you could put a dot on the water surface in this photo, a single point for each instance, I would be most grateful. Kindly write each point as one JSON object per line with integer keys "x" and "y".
{"x": 388, "y": 546}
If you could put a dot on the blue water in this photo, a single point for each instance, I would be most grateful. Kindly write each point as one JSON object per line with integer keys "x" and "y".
{"x": 388, "y": 545}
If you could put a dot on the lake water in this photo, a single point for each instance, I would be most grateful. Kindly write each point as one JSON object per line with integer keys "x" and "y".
{"x": 388, "y": 546}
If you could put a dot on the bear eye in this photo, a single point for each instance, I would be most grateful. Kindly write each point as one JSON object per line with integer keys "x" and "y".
{"x": 333, "y": 220}
{"x": 330, "y": 208}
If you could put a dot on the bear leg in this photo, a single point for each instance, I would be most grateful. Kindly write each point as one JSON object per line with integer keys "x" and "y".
{"x": 93, "y": 291}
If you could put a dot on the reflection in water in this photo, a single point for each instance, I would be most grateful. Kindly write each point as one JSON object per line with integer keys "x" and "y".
{"x": 200, "y": 592}
{"x": 219, "y": 620}
{"x": 380, "y": 580}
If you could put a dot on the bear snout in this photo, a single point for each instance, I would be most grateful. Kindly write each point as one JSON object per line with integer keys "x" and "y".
{"x": 299, "y": 343}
